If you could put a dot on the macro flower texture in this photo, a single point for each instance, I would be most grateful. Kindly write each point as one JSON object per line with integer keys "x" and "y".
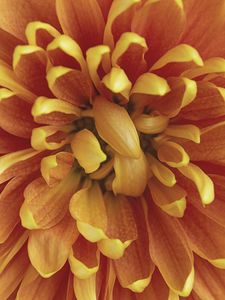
{"x": 112, "y": 143}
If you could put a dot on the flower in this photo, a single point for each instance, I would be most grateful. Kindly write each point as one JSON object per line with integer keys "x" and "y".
{"x": 112, "y": 119}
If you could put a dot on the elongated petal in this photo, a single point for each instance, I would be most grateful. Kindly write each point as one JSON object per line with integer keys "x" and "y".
{"x": 109, "y": 117}
{"x": 205, "y": 240}
{"x": 189, "y": 132}
{"x": 85, "y": 289}
{"x": 84, "y": 258}
{"x": 42, "y": 200}
{"x": 135, "y": 268}
{"x": 87, "y": 150}
{"x": 88, "y": 209}
{"x": 168, "y": 243}
{"x": 121, "y": 227}
{"x": 8, "y": 43}
{"x": 15, "y": 115}
{"x": 159, "y": 18}
{"x": 203, "y": 183}
{"x": 131, "y": 175}
{"x": 81, "y": 20}
{"x": 171, "y": 200}
{"x": 15, "y": 15}
{"x": 10, "y": 143}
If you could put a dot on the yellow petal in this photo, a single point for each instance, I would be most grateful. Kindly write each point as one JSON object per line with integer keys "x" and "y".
{"x": 151, "y": 124}
{"x": 87, "y": 150}
{"x": 203, "y": 183}
{"x": 116, "y": 128}
{"x": 103, "y": 171}
{"x": 131, "y": 175}
{"x": 85, "y": 289}
{"x": 180, "y": 53}
{"x": 189, "y": 132}
{"x": 161, "y": 172}
{"x": 171, "y": 200}
{"x": 88, "y": 209}
{"x": 33, "y": 29}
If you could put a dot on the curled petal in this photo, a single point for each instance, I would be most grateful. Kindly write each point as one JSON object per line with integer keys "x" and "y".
{"x": 87, "y": 150}
{"x": 63, "y": 50}
{"x": 108, "y": 119}
{"x": 172, "y": 154}
{"x": 189, "y": 132}
{"x": 40, "y": 33}
{"x": 151, "y": 124}
{"x": 180, "y": 53}
{"x": 131, "y": 175}
{"x": 203, "y": 183}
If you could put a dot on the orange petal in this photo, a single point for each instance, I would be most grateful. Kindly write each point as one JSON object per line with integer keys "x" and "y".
{"x": 35, "y": 287}
{"x": 29, "y": 64}
{"x": 131, "y": 175}
{"x": 108, "y": 118}
{"x": 15, "y": 115}
{"x": 70, "y": 85}
{"x": 168, "y": 243}
{"x": 211, "y": 146}
{"x": 40, "y": 33}
{"x": 56, "y": 167}
{"x": 88, "y": 209}
{"x": 15, "y": 15}
{"x": 203, "y": 107}
{"x": 208, "y": 19}
{"x": 49, "y": 249}
{"x": 159, "y": 18}
{"x": 87, "y": 150}
{"x": 8, "y": 43}
{"x": 83, "y": 21}
{"x": 120, "y": 293}
{"x": 10, "y": 143}
{"x": 129, "y": 54}
{"x": 42, "y": 200}
{"x": 121, "y": 228}
{"x": 205, "y": 274}
{"x": 204, "y": 235}
{"x": 171, "y": 200}
{"x": 11, "y": 199}
{"x": 19, "y": 163}
{"x": 135, "y": 268}
{"x": 157, "y": 289}
{"x": 84, "y": 258}
{"x": 13, "y": 273}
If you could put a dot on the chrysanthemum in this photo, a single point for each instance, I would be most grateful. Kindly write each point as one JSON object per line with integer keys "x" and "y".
{"x": 112, "y": 143}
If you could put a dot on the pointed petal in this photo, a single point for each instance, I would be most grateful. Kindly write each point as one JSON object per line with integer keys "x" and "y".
{"x": 123, "y": 139}
{"x": 135, "y": 268}
{"x": 189, "y": 132}
{"x": 168, "y": 243}
{"x": 83, "y": 21}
